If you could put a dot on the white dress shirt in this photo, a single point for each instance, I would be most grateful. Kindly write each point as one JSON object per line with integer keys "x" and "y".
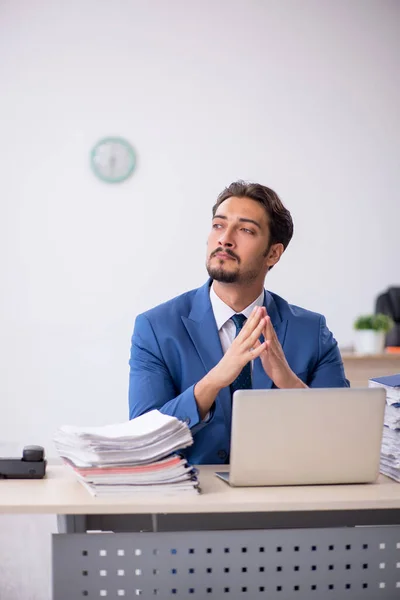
{"x": 223, "y": 313}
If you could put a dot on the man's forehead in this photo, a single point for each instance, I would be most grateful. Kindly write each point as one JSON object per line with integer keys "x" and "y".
{"x": 234, "y": 208}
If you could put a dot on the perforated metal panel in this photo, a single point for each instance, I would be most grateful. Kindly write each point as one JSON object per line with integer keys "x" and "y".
{"x": 354, "y": 563}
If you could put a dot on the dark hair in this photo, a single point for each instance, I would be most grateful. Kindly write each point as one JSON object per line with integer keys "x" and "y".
{"x": 280, "y": 220}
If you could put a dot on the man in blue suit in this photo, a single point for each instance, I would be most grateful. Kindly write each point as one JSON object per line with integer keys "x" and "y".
{"x": 191, "y": 353}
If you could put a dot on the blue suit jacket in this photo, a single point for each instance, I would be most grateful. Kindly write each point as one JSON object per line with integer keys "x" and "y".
{"x": 175, "y": 344}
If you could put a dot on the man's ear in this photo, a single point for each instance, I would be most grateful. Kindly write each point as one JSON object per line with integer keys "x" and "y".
{"x": 274, "y": 254}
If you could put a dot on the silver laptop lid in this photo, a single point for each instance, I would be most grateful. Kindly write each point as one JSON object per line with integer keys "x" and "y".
{"x": 306, "y": 436}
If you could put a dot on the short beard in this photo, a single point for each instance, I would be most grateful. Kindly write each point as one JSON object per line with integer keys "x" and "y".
{"x": 218, "y": 274}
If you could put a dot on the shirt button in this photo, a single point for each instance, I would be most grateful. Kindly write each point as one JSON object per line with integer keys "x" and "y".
{"x": 187, "y": 421}
{"x": 222, "y": 454}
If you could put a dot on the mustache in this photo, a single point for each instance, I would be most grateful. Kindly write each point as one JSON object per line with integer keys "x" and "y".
{"x": 225, "y": 251}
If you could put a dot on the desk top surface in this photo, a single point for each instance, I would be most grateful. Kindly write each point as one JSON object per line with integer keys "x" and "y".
{"x": 60, "y": 493}
{"x": 384, "y": 357}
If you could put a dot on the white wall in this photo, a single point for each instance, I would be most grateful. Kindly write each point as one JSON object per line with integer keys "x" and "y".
{"x": 301, "y": 96}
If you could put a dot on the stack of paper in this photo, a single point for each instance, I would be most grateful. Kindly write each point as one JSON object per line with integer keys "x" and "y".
{"x": 390, "y": 451}
{"x": 392, "y": 416}
{"x": 137, "y": 455}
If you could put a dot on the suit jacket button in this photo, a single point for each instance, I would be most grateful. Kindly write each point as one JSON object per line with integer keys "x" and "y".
{"x": 222, "y": 454}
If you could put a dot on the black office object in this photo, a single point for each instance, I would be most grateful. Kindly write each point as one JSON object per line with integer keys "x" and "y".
{"x": 32, "y": 465}
{"x": 388, "y": 303}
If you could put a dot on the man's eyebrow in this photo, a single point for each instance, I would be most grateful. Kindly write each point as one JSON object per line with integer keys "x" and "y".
{"x": 242, "y": 220}
{"x": 250, "y": 221}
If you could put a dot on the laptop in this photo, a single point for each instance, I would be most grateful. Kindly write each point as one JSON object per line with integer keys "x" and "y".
{"x": 305, "y": 436}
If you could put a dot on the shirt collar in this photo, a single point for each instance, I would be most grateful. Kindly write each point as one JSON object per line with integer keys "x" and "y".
{"x": 223, "y": 312}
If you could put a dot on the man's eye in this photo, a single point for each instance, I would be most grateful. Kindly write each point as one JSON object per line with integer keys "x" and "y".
{"x": 216, "y": 225}
{"x": 247, "y": 230}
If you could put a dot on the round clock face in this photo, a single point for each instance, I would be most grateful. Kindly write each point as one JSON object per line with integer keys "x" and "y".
{"x": 113, "y": 159}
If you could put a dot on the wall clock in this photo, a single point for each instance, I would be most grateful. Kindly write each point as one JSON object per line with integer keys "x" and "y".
{"x": 113, "y": 159}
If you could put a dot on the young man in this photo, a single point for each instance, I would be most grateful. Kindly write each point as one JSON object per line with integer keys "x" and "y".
{"x": 190, "y": 354}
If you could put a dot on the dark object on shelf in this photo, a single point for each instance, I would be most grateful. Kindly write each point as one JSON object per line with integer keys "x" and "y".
{"x": 388, "y": 303}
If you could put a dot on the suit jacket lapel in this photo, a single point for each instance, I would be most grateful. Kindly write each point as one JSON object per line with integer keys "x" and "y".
{"x": 260, "y": 378}
{"x": 202, "y": 328}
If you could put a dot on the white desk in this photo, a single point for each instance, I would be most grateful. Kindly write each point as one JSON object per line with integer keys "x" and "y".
{"x": 60, "y": 493}
{"x": 286, "y": 542}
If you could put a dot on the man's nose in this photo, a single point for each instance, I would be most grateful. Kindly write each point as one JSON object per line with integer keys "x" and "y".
{"x": 226, "y": 239}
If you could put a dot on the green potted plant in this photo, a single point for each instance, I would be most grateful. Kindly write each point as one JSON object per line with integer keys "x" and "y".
{"x": 370, "y": 333}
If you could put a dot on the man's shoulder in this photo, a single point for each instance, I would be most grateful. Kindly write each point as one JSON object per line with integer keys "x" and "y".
{"x": 171, "y": 309}
{"x": 292, "y": 311}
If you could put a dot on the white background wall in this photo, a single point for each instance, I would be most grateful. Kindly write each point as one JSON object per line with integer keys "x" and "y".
{"x": 302, "y": 96}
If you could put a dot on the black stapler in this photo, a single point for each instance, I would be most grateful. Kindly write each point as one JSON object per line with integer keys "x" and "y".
{"x": 32, "y": 465}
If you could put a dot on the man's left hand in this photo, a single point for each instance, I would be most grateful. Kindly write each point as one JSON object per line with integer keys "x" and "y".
{"x": 274, "y": 360}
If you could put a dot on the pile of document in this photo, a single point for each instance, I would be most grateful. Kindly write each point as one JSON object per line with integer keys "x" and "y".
{"x": 140, "y": 455}
{"x": 390, "y": 451}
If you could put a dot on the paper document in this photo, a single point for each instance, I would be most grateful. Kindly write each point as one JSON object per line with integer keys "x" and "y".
{"x": 137, "y": 455}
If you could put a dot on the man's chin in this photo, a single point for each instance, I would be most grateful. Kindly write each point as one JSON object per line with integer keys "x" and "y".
{"x": 223, "y": 275}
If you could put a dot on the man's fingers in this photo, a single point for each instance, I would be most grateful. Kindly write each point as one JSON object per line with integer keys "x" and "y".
{"x": 251, "y": 339}
{"x": 273, "y": 344}
{"x": 255, "y": 317}
{"x": 251, "y": 323}
{"x": 254, "y": 326}
{"x": 256, "y": 351}
{"x": 269, "y": 330}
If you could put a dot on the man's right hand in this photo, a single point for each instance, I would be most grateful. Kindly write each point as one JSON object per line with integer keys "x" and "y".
{"x": 244, "y": 348}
